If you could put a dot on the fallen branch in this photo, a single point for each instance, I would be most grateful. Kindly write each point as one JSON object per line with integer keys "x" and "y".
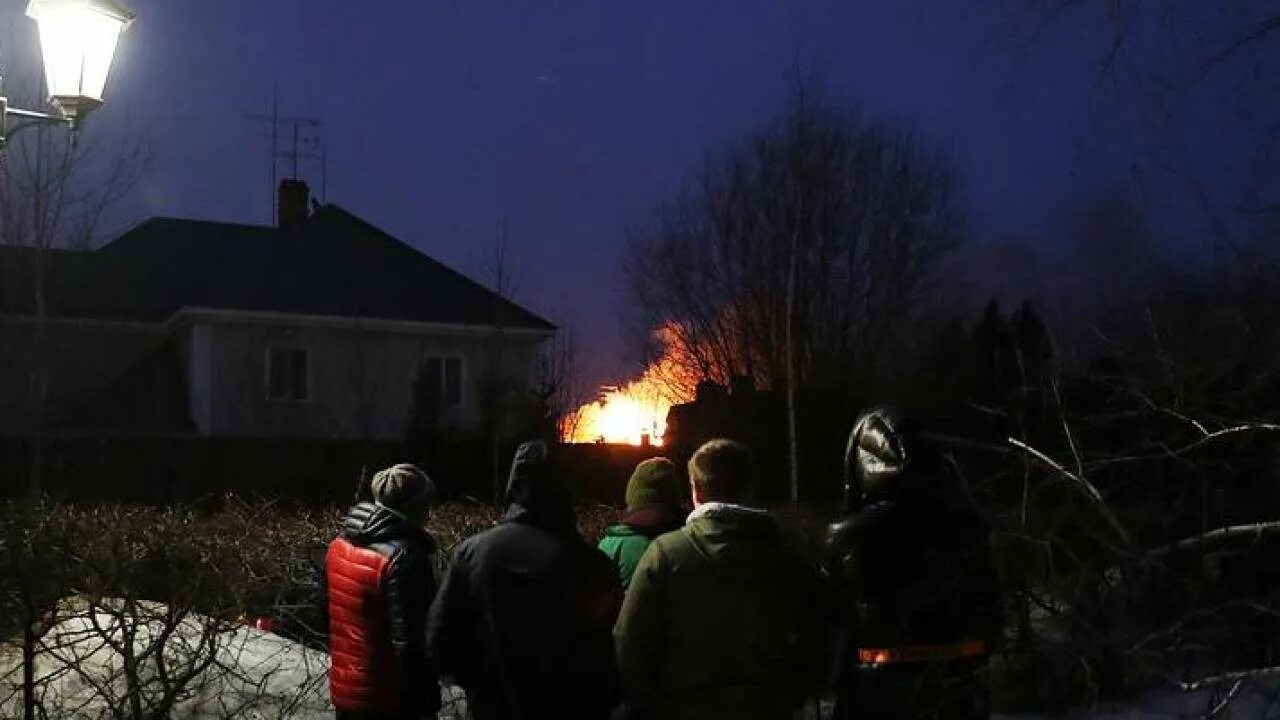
{"x": 1081, "y": 482}
{"x": 1217, "y": 709}
{"x": 1219, "y": 434}
{"x": 1256, "y": 530}
{"x": 1231, "y": 677}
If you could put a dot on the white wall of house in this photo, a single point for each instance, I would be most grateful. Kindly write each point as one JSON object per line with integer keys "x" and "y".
{"x": 359, "y": 376}
{"x": 194, "y": 344}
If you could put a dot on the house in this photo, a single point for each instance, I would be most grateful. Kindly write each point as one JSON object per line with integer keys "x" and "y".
{"x": 320, "y": 328}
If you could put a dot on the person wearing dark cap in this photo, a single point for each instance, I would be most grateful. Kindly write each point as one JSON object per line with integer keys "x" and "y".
{"x": 522, "y": 621}
{"x": 380, "y": 583}
{"x": 913, "y": 576}
{"x": 654, "y": 500}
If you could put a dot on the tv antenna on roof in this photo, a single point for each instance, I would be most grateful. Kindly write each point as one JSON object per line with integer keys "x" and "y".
{"x": 296, "y": 140}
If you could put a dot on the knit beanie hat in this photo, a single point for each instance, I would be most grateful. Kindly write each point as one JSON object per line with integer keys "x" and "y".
{"x": 404, "y": 489}
{"x": 656, "y": 481}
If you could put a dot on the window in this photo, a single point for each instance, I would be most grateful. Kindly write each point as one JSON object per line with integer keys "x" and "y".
{"x": 287, "y": 374}
{"x": 442, "y": 380}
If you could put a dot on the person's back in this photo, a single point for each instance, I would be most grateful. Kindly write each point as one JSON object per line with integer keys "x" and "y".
{"x": 922, "y": 571}
{"x": 653, "y": 508}
{"x": 914, "y": 571}
{"x": 380, "y": 585}
{"x": 522, "y": 619}
{"x": 719, "y": 620}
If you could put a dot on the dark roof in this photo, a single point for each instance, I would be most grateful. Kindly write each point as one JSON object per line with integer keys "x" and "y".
{"x": 332, "y": 264}
{"x": 148, "y": 399}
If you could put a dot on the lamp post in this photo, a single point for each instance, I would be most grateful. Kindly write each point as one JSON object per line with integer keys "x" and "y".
{"x": 78, "y": 42}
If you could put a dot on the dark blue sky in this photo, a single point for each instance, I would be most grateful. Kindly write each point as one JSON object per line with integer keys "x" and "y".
{"x": 569, "y": 119}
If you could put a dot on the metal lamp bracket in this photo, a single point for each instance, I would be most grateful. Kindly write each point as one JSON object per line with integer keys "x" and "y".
{"x": 26, "y": 119}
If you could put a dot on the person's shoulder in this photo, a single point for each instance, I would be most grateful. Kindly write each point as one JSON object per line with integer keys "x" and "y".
{"x": 876, "y": 515}
{"x": 866, "y": 523}
{"x": 633, "y": 540}
{"x": 616, "y": 534}
{"x": 670, "y": 544}
{"x": 477, "y": 543}
{"x": 420, "y": 541}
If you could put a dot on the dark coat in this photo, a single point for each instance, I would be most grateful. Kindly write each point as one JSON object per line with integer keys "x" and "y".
{"x": 380, "y": 587}
{"x": 522, "y": 621}
{"x": 912, "y": 570}
{"x": 721, "y": 620}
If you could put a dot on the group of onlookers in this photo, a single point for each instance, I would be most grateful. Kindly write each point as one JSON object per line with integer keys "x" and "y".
{"x": 720, "y": 612}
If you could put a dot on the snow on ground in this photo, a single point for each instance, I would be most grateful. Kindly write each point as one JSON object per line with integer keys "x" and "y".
{"x": 1251, "y": 701}
{"x": 235, "y": 671}
{"x": 238, "y": 672}
{"x": 1254, "y": 700}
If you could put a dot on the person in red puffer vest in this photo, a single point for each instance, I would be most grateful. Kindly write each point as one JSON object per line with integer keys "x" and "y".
{"x": 380, "y": 584}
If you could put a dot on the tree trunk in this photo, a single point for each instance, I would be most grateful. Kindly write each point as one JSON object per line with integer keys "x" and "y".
{"x": 793, "y": 455}
{"x": 29, "y": 639}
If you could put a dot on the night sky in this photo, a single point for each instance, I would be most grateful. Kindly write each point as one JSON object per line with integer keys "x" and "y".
{"x": 567, "y": 120}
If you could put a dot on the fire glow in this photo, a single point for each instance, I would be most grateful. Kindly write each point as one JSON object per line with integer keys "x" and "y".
{"x": 633, "y": 413}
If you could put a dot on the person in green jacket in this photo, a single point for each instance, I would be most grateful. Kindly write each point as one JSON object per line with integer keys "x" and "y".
{"x": 655, "y": 505}
{"x": 723, "y": 617}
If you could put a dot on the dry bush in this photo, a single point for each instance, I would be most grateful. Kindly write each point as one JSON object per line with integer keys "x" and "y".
{"x": 131, "y": 612}
{"x": 140, "y": 609}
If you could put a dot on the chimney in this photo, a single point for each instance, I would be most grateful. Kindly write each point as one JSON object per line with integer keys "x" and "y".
{"x": 291, "y": 205}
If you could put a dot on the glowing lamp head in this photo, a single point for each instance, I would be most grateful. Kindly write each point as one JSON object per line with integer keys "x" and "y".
{"x": 78, "y": 41}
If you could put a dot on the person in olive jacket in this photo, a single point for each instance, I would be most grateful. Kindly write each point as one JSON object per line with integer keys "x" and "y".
{"x": 380, "y": 586}
{"x": 913, "y": 574}
{"x": 654, "y": 504}
{"x": 523, "y": 616}
{"x": 719, "y": 620}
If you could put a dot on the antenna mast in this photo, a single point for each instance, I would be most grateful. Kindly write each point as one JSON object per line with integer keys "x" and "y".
{"x": 295, "y": 140}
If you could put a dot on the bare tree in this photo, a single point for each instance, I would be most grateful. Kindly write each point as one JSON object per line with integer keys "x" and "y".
{"x": 1133, "y": 496}
{"x": 797, "y": 258}
{"x": 867, "y": 217}
{"x": 559, "y": 388}
{"x": 1178, "y": 73}
{"x": 497, "y": 388}
{"x": 56, "y": 191}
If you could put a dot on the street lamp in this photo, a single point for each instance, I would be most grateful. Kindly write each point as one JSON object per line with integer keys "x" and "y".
{"x": 78, "y": 42}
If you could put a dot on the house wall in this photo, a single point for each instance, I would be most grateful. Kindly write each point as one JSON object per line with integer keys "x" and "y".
{"x": 80, "y": 357}
{"x": 194, "y": 348}
{"x": 361, "y": 381}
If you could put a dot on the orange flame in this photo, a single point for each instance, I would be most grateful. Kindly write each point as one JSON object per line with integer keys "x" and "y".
{"x": 634, "y": 412}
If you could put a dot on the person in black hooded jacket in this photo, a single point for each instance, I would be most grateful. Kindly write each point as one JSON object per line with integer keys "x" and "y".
{"x": 912, "y": 572}
{"x": 524, "y": 616}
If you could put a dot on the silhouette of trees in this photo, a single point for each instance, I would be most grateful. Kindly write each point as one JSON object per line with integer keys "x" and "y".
{"x": 1132, "y": 489}
{"x": 866, "y": 214}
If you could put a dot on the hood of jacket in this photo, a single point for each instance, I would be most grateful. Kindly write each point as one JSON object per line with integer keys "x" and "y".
{"x": 651, "y": 521}
{"x": 889, "y": 458}
{"x": 535, "y": 494}
{"x": 621, "y": 530}
{"x": 368, "y": 523}
{"x": 739, "y": 541}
